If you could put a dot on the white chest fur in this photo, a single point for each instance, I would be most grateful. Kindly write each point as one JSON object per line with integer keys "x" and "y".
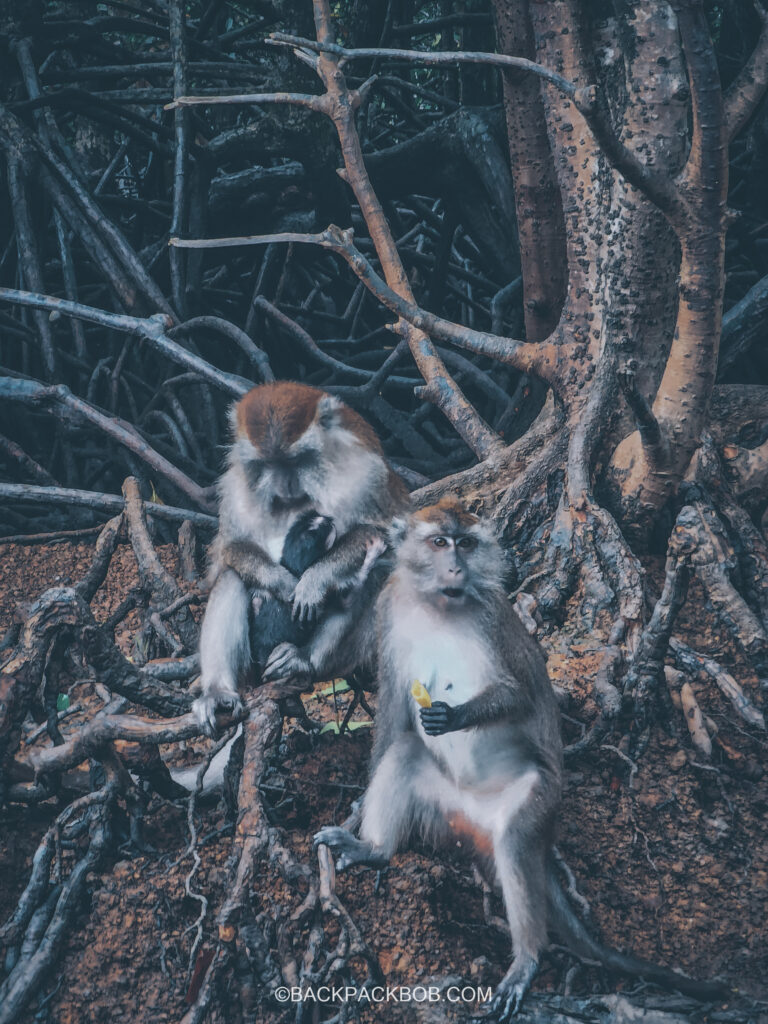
{"x": 434, "y": 649}
{"x": 271, "y": 537}
{"x": 451, "y": 664}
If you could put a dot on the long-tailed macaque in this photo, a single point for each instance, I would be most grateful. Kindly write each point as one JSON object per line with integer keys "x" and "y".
{"x": 295, "y": 449}
{"x": 484, "y": 760}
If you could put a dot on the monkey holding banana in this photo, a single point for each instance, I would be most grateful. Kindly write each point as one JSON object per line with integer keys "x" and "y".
{"x": 295, "y": 450}
{"x": 481, "y": 753}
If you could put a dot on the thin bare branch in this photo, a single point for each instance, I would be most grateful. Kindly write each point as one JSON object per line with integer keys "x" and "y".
{"x": 432, "y": 57}
{"x": 60, "y": 400}
{"x": 744, "y": 94}
{"x": 178, "y": 41}
{"x": 152, "y": 329}
{"x": 317, "y": 103}
{"x": 531, "y": 357}
{"x": 111, "y": 503}
{"x": 656, "y": 187}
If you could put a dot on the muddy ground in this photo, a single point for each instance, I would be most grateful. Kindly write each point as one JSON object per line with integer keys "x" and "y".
{"x": 675, "y": 867}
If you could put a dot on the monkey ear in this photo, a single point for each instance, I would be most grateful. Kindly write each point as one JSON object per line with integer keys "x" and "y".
{"x": 328, "y": 412}
{"x": 397, "y": 531}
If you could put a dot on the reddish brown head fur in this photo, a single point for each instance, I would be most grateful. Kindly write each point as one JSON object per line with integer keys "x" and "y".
{"x": 274, "y": 416}
{"x": 446, "y": 513}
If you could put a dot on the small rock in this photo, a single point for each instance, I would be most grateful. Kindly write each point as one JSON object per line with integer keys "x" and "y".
{"x": 479, "y": 968}
{"x": 678, "y": 760}
{"x": 650, "y": 798}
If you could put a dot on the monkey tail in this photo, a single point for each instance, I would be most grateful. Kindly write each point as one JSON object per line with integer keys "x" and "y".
{"x": 572, "y": 932}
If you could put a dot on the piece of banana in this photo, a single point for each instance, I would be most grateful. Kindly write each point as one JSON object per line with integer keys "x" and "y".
{"x": 421, "y": 694}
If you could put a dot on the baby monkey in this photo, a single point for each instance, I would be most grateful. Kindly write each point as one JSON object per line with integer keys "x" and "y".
{"x": 271, "y": 620}
{"x": 484, "y": 759}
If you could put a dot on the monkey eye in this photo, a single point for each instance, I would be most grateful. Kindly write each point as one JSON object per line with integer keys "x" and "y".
{"x": 467, "y": 543}
{"x": 439, "y": 542}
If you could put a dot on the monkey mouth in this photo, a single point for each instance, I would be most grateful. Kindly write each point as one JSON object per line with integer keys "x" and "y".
{"x": 453, "y": 592}
{"x": 289, "y": 504}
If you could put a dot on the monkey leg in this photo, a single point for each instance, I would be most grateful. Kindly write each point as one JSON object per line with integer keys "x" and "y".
{"x": 340, "y": 643}
{"x": 224, "y": 649}
{"x": 402, "y": 791}
{"x": 520, "y": 847}
{"x": 332, "y": 648}
{"x": 345, "y": 639}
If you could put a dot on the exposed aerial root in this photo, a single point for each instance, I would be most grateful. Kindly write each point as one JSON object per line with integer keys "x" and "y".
{"x": 254, "y": 950}
{"x": 698, "y": 546}
{"x": 692, "y": 662}
{"x": 34, "y": 934}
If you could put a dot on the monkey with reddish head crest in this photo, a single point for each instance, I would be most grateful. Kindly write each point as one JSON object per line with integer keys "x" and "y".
{"x": 295, "y": 450}
{"x": 483, "y": 759}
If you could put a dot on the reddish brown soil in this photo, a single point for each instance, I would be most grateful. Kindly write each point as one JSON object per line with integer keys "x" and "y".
{"x": 676, "y": 868}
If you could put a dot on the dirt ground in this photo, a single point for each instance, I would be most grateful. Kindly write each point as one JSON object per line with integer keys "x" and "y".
{"x": 675, "y": 867}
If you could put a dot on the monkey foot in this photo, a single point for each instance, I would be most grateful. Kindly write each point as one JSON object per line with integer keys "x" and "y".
{"x": 205, "y": 708}
{"x": 509, "y": 995}
{"x": 287, "y": 662}
{"x": 348, "y": 849}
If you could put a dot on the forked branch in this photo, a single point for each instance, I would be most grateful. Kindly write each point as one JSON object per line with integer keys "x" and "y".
{"x": 530, "y": 357}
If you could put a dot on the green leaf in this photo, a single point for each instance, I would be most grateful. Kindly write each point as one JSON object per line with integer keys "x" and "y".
{"x": 339, "y": 687}
{"x": 351, "y": 726}
{"x": 62, "y": 702}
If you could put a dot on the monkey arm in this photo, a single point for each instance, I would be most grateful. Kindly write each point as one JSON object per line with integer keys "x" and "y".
{"x": 345, "y": 567}
{"x": 256, "y": 569}
{"x": 498, "y": 701}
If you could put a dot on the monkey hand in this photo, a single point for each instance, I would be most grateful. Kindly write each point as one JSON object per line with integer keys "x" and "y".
{"x": 310, "y": 593}
{"x": 282, "y": 583}
{"x": 438, "y": 719}
{"x": 213, "y": 700}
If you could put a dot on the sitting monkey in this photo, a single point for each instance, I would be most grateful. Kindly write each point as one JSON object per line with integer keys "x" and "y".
{"x": 294, "y": 449}
{"x": 271, "y": 622}
{"x": 484, "y": 759}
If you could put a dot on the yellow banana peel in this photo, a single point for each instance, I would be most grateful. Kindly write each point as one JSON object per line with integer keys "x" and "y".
{"x": 421, "y": 694}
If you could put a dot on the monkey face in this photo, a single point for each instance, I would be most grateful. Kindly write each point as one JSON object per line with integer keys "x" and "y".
{"x": 449, "y": 555}
{"x": 283, "y": 478}
{"x": 291, "y": 440}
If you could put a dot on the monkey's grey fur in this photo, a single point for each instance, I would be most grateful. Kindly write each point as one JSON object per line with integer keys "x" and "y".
{"x": 486, "y": 758}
